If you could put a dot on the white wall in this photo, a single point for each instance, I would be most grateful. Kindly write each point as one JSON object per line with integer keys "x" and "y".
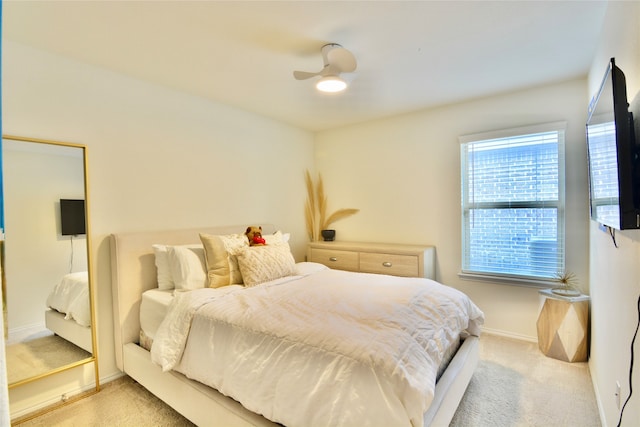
{"x": 615, "y": 273}
{"x": 158, "y": 159}
{"x": 404, "y": 175}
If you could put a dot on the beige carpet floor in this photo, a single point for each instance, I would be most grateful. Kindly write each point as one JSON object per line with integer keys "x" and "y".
{"x": 514, "y": 385}
{"x": 40, "y": 355}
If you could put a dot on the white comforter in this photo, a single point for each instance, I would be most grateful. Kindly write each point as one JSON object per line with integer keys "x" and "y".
{"x": 71, "y": 297}
{"x": 331, "y": 348}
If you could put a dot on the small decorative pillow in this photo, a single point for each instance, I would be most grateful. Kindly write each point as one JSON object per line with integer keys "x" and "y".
{"x": 259, "y": 264}
{"x": 222, "y": 266}
{"x": 187, "y": 266}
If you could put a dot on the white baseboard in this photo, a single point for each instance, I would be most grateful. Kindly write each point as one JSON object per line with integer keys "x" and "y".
{"x": 49, "y": 402}
{"x": 22, "y": 333}
{"x": 596, "y": 391}
{"x": 509, "y": 335}
{"x": 55, "y": 400}
{"x": 112, "y": 377}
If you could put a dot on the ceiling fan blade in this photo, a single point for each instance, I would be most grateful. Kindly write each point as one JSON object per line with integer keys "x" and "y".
{"x": 343, "y": 59}
{"x": 303, "y": 75}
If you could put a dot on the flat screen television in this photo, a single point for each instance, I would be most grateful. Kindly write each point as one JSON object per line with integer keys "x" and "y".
{"x": 612, "y": 151}
{"x": 72, "y": 217}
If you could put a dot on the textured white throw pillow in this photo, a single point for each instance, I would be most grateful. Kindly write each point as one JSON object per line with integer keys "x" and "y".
{"x": 259, "y": 264}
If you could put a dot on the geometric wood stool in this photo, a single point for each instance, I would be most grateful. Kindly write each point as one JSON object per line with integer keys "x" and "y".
{"x": 563, "y": 327}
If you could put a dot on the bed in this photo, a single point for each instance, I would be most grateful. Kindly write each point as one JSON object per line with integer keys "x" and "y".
{"x": 134, "y": 272}
{"x": 68, "y": 312}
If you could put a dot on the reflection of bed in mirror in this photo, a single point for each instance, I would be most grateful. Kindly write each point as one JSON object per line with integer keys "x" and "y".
{"x": 68, "y": 311}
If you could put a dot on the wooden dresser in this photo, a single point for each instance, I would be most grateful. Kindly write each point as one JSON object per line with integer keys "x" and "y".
{"x": 381, "y": 258}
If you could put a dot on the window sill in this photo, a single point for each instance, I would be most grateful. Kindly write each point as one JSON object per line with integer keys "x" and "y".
{"x": 529, "y": 282}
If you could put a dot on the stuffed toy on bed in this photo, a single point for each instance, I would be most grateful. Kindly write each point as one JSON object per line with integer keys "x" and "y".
{"x": 254, "y": 234}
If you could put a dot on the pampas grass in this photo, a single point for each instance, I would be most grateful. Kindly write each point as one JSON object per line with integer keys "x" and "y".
{"x": 310, "y": 208}
{"x": 315, "y": 209}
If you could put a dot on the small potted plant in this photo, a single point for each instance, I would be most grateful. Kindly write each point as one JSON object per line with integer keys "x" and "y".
{"x": 567, "y": 284}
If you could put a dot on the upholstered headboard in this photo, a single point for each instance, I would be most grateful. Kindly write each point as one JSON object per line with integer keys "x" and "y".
{"x": 133, "y": 271}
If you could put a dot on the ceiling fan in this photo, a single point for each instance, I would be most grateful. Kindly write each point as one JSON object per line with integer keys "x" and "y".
{"x": 336, "y": 60}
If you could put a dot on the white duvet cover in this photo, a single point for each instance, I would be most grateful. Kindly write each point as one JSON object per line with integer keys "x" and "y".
{"x": 333, "y": 348}
{"x": 71, "y": 297}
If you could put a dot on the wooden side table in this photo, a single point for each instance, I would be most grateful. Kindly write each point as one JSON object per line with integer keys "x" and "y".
{"x": 563, "y": 326}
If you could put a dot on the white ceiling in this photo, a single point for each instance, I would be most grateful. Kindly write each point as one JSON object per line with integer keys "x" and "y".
{"x": 411, "y": 54}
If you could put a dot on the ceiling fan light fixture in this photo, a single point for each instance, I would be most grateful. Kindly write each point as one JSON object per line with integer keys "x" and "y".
{"x": 331, "y": 84}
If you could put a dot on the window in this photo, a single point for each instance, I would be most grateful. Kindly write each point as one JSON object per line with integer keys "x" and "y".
{"x": 513, "y": 203}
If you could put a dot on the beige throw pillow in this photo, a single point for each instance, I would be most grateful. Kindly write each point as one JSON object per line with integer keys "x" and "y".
{"x": 222, "y": 266}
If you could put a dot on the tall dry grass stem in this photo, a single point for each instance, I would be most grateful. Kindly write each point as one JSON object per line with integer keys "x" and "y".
{"x": 315, "y": 209}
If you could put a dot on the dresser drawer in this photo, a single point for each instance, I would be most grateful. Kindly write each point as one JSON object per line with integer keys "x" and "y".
{"x": 342, "y": 260}
{"x": 396, "y": 265}
{"x": 380, "y": 258}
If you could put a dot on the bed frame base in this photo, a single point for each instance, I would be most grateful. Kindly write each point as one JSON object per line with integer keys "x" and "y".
{"x": 205, "y": 406}
{"x": 202, "y": 405}
{"x": 453, "y": 383}
{"x": 69, "y": 330}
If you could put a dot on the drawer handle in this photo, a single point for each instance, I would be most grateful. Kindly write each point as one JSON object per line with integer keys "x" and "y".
{"x": 387, "y": 264}
{"x": 333, "y": 259}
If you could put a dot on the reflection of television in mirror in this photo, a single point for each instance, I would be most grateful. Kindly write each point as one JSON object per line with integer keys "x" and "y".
{"x": 614, "y": 170}
{"x": 72, "y": 217}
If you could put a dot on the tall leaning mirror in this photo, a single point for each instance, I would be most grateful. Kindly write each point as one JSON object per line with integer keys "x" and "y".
{"x": 48, "y": 300}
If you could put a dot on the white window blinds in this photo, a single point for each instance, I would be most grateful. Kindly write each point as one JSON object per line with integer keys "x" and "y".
{"x": 513, "y": 203}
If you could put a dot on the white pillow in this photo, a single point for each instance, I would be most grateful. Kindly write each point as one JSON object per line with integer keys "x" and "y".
{"x": 221, "y": 265}
{"x": 277, "y": 237}
{"x": 187, "y": 266}
{"x": 259, "y": 264}
{"x": 165, "y": 281}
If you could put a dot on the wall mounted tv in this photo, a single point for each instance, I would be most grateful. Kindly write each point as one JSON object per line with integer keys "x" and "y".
{"x": 72, "y": 217}
{"x": 612, "y": 150}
